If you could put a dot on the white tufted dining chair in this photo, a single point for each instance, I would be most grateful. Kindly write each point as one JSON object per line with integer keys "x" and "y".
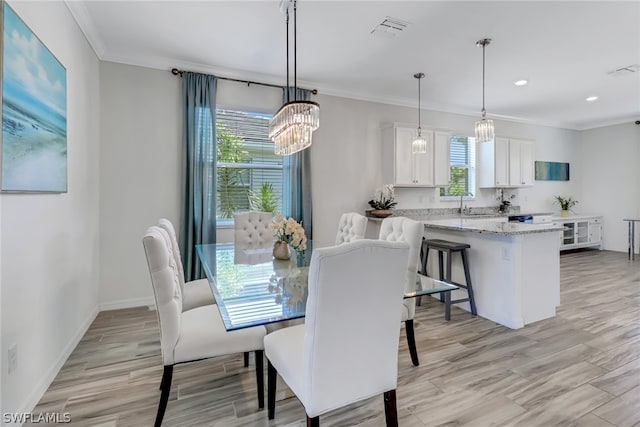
{"x": 345, "y": 352}
{"x": 195, "y": 293}
{"x": 191, "y": 335}
{"x": 352, "y": 226}
{"x": 251, "y": 230}
{"x": 401, "y": 229}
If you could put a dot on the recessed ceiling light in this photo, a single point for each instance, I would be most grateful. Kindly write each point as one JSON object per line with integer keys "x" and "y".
{"x": 520, "y": 82}
{"x": 591, "y": 98}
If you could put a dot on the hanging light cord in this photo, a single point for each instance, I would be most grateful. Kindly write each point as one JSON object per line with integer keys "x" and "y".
{"x": 287, "y": 52}
{"x": 419, "y": 129}
{"x": 295, "y": 50}
{"x": 484, "y": 112}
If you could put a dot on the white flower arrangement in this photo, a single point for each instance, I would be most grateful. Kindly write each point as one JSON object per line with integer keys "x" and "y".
{"x": 383, "y": 198}
{"x": 289, "y": 231}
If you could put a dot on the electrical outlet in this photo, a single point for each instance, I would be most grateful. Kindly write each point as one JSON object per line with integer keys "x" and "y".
{"x": 13, "y": 357}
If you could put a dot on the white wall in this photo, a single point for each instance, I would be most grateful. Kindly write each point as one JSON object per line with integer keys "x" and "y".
{"x": 611, "y": 180}
{"x": 141, "y": 159}
{"x": 139, "y": 177}
{"x": 49, "y": 258}
{"x": 347, "y": 161}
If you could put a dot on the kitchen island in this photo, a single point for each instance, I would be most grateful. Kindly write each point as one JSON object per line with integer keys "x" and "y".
{"x": 514, "y": 267}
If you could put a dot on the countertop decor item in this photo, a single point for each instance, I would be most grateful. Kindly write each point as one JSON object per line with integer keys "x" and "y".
{"x": 503, "y": 196}
{"x": 287, "y": 232}
{"x": 381, "y": 213}
{"x": 383, "y": 201}
{"x": 566, "y": 203}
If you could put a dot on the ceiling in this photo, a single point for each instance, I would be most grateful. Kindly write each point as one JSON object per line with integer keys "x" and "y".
{"x": 564, "y": 49}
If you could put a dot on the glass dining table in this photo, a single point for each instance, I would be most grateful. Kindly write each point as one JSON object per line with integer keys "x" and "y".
{"x": 252, "y": 288}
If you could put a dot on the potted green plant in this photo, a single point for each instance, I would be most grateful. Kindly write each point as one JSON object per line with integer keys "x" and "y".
{"x": 504, "y": 198}
{"x": 383, "y": 201}
{"x": 265, "y": 199}
{"x": 566, "y": 203}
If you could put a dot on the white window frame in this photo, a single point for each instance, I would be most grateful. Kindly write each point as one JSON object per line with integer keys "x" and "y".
{"x": 471, "y": 167}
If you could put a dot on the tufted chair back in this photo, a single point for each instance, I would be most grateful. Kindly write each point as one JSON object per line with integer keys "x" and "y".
{"x": 175, "y": 249}
{"x": 252, "y": 230}
{"x": 166, "y": 288}
{"x": 352, "y": 226}
{"x": 401, "y": 229}
{"x": 335, "y": 373}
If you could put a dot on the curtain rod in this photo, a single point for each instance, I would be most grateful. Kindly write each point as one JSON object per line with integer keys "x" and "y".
{"x": 177, "y": 72}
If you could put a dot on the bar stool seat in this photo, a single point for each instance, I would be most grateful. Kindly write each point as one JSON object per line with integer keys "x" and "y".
{"x": 449, "y": 247}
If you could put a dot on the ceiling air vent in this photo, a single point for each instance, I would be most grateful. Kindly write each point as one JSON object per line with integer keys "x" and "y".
{"x": 389, "y": 27}
{"x": 629, "y": 69}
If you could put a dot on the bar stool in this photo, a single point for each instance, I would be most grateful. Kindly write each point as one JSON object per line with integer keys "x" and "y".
{"x": 445, "y": 246}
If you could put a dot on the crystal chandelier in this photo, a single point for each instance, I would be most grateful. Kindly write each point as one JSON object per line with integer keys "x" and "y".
{"x": 291, "y": 128}
{"x": 419, "y": 144}
{"x": 484, "y": 128}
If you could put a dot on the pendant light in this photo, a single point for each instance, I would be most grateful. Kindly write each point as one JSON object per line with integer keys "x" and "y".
{"x": 292, "y": 126}
{"x": 484, "y": 128}
{"x": 419, "y": 144}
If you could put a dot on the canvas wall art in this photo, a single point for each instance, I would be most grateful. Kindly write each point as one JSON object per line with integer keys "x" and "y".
{"x": 551, "y": 171}
{"x": 34, "y": 111}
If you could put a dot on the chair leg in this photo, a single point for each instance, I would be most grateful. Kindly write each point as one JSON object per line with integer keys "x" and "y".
{"x": 467, "y": 276}
{"x": 390, "y": 408}
{"x": 272, "y": 377}
{"x": 164, "y": 395}
{"x": 441, "y": 274}
{"x": 260, "y": 377}
{"x": 411, "y": 340}
{"x": 162, "y": 380}
{"x": 447, "y": 305}
{"x": 313, "y": 422}
{"x": 246, "y": 359}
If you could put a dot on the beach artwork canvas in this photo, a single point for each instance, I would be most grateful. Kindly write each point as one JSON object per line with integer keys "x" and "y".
{"x": 34, "y": 111}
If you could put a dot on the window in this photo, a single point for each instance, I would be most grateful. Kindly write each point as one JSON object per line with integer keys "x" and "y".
{"x": 462, "y": 159}
{"x": 249, "y": 174}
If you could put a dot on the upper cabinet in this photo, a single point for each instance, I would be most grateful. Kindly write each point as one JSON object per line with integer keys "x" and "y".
{"x": 403, "y": 168}
{"x": 505, "y": 163}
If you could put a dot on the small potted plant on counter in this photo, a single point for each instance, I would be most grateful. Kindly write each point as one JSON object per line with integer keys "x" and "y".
{"x": 566, "y": 203}
{"x": 383, "y": 201}
{"x": 503, "y": 196}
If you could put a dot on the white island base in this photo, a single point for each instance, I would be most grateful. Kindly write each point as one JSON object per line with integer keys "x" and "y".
{"x": 515, "y": 277}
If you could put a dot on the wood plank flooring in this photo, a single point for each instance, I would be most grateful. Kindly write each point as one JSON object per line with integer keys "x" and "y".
{"x": 581, "y": 368}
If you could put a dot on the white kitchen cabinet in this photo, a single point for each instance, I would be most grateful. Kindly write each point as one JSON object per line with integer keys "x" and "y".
{"x": 403, "y": 168}
{"x": 580, "y": 232}
{"x": 505, "y": 163}
{"x": 595, "y": 231}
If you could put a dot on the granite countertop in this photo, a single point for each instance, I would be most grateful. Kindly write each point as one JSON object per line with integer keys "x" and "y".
{"x": 574, "y": 217}
{"x": 493, "y": 227}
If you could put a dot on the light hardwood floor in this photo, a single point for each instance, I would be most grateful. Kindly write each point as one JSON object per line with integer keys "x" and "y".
{"x": 580, "y": 368}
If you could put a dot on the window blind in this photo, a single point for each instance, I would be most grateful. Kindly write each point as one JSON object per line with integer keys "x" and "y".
{"x": 246, "y": 161}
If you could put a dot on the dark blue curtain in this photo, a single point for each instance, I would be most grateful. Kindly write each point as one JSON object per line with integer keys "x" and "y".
{"x": 296, "y": 194}
{"x": 198, "y": 217}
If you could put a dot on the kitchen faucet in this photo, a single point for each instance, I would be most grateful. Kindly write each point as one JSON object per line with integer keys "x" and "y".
{"x": 461, "y": 197}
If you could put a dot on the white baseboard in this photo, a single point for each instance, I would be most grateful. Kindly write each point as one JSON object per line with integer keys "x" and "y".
{"x": 41, "y": 387}
{"x": 127, "y": 303}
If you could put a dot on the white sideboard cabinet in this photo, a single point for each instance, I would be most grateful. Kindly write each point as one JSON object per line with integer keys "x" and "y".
{"x": 403, "y": 168}
{"x": 505, "y": 163}
{"x": 580, "y": 231}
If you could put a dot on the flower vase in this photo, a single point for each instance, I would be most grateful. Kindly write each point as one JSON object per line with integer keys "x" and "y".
{"x": 281, "y": 250}
{"x": 564, "y": 213}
